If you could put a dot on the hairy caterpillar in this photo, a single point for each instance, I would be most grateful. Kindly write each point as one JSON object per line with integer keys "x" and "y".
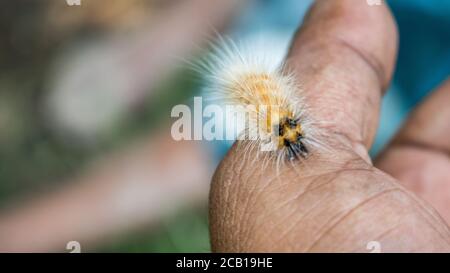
{"x": 252, "y": 77}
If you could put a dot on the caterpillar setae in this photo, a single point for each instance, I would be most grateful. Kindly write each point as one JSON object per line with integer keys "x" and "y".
{"x": 250, "y": 77}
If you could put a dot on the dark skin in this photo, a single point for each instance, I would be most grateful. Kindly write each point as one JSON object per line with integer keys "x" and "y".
{"x": 344, "y": 55}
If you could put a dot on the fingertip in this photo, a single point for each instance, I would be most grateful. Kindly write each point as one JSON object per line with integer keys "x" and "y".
{"x": 369, "y": 30}
{"x": 344, "y": 56}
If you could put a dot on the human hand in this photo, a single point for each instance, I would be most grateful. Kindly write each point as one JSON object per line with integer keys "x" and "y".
{"x": 344, "y": 56}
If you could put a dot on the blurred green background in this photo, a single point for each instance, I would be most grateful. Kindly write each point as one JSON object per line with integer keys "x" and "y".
{"x": 34, "y": 159}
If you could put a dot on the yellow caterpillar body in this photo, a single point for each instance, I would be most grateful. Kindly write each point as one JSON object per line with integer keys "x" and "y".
{"x": 241, "y": 76}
